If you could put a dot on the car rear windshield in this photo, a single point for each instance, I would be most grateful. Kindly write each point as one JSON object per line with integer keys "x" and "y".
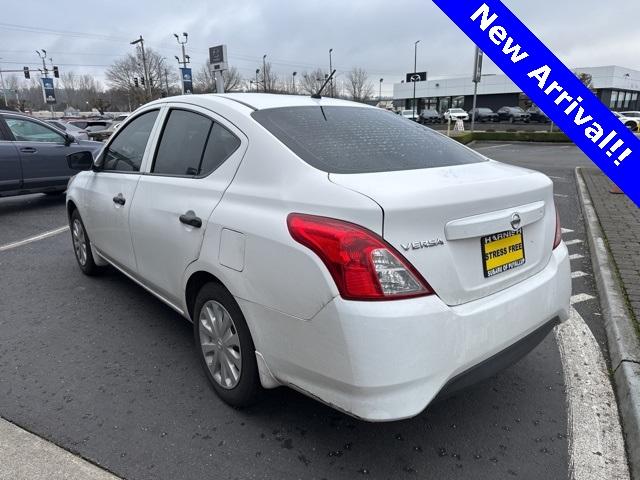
{"x": 361, "y": 140}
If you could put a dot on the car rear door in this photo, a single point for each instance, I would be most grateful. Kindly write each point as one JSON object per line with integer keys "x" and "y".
{"x": 196, "y": 158}
{"x": 110, "y": 190}
{"x": 10, "y": 170}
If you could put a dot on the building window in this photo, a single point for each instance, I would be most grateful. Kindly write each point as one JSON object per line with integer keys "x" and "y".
{"x": 458, "y": 102}
{"x": 614, "y": 99}
{"x": 634, "y": 101}
{"x": 620, "y": 99}
{"x": 627, "y": 100}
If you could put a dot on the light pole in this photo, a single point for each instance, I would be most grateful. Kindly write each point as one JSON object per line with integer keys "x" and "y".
{"x": 4, "y": 92}
{"x": 415, "y": 56}
{"x": 185, "y": 58}
{"x": 257, "y": 82}
{"x": 414, "y": 79}
{"x": 293, "y": 78}
{"x": 331, "y": 70}
{"x": 380, "y": 90}
{"x": 264, "y": 72}
{"x": 144, "y": 65}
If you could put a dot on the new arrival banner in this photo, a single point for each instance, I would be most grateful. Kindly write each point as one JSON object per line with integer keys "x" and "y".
{"x": 552, "y": 86}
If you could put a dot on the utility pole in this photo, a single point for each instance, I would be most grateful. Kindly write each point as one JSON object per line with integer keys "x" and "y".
{"x": 4, "y": 92}
{"x": 144, "y": 65}
{"x": 293, "y": 77}
{"x": 331, "y": 70}
{"x": 380, "y": 90}
{"x": 257, "y": 81}
{"x": 415, "y": 71}
{"x": 166, "y": 81}
{"x": 477, "y": 76}
{"x": 264, "y": 72}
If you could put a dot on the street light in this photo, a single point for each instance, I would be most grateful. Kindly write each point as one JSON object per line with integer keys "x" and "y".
{"x": 144, "y": 64}
{"x": 331, "y": 70}
{"x": 380, "y": 90}
{"x": 415, "y": 56}
{"x": 257, "y": 82}
{"x": 264, "y": 72}
{"x": 293, "y": 77}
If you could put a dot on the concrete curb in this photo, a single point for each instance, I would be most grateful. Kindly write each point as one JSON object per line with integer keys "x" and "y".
{"x": 624, "y": 347}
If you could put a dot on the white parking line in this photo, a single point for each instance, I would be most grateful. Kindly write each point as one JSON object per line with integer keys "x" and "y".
{"x": 493, "y": 146}
{"x": 575, "y": 241}
{"x": 560, "y": 179}
{"x": 42, "y": 236}
{"x": 581, "y": 297}
{"x": 567, "y": 230}
{"x": 575, "y": 256}
{"x": 578, "y": 274}
{"x": 596, "y": 446}
{"x": 560, "y": 195}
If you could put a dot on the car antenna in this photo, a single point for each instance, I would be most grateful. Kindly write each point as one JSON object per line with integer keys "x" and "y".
{"x": 318, "y": 94}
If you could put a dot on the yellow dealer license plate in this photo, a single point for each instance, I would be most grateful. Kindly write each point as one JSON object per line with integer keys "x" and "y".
{"x": 502, "y": 251}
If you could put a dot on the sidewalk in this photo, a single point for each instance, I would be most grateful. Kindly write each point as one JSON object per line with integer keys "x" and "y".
{"x": 24, "y": 456}
{"x": 620, "y": 221}
{"x": 613, "y": 228}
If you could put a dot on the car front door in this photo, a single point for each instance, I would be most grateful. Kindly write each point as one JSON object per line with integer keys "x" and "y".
{"x": 196, "y": 158}
{"x": 110, "y": 190}
{"x": 43, "y": 152}
{"x": 10, "y": 170}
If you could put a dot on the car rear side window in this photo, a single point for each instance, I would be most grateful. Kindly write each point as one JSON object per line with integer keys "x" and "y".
{"x": 126, "y": 151}
{"x": 192, "y": 145}
{"x": 339, "y": 139}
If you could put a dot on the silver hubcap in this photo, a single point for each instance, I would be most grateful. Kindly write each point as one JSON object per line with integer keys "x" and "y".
{"x": 79, "y": 242}
{"x": 220, "y": 344}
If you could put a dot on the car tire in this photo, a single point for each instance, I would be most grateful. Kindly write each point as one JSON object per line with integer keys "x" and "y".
{"x": 82, "y": 245}
{"x": 230, "y": 365}
{"x": 512, "y": 119}
{"x": 632, "y": 126}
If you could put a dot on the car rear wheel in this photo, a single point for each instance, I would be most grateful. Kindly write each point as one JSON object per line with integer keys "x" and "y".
{"x": 82, "y": 246}
{"x": 632, "y": 126}
{"x": 225, "y": 346}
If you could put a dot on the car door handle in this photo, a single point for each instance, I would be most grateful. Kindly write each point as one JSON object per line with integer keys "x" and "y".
{"x": 28, "y": 150}
{"x": 190, "y": 218}
{"x": 119, "y": 199}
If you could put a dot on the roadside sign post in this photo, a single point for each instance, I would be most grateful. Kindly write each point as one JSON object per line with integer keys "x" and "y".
{"x": 217, "y": 64}
{"x": 477, "y": 76}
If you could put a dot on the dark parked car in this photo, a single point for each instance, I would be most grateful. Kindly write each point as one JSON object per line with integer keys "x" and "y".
{"x": 430, "y": 116}
{"x": 484, "y": 115}
{"x": 33, "y": 155}
{"x": 537, "y": 115}
{"x": 513, "y": 114}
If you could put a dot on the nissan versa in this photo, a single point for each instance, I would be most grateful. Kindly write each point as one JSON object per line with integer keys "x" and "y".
{"x": 325, "y": 245}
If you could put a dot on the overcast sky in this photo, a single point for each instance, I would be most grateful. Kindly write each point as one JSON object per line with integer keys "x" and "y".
{"x": 296, "y": 35}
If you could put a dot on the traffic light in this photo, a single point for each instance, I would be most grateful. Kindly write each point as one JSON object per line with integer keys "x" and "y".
{"x": 56, "y": 73}
{"x": 27, "y": 75}
{"x": 142, "y": 81}
{"x": 135, "y": 81}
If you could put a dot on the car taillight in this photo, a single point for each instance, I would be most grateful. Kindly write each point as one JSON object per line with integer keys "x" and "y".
{"x": 362, "y": 264}
{"x": 558, "y": 237}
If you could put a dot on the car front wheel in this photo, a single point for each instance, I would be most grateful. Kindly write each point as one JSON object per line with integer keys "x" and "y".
{"x": 225, "y": 346}
{"x": 82, "y": 245}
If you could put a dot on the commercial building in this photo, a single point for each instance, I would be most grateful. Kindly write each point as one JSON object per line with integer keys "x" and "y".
{"x": 617, "y": 87}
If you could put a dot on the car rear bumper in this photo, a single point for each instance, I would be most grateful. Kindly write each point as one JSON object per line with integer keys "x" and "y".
{"x": 383, "y": 361}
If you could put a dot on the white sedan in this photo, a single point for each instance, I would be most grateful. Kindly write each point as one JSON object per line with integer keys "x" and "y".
{"x": 324, "y": 245}
{"x": 454, "y": 114}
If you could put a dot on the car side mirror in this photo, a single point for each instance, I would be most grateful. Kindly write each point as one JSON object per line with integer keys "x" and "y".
{"x": 80, "y": 161}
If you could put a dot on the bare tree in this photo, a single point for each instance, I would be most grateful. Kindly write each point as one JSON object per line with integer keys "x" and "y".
{"x": 205, "y": 81}
{"x": 269, "y": 80}
{"x": 358, "y": 85}
{"x": 121, "y": 74}
{"x": 310, "y": 82}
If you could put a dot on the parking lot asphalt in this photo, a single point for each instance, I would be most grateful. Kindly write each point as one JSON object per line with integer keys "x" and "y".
{"x": 103, "y": 369}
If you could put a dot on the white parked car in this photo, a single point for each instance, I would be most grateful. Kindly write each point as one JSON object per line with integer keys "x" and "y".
{"x": 409, "y": 115}
{"x": 325, "y": 245}
{"x": 630, "y": 121}
{"x": 454, "y": 114}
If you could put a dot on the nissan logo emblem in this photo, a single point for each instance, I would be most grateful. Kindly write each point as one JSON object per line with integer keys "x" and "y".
{"x": 515, "y": 221}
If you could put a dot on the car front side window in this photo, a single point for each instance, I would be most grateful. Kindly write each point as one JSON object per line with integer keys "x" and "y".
{"x": 28, "y": 131}
{"x": 126, "y": 151}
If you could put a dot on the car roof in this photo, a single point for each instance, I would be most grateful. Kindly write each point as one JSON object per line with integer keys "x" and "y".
{"x": 258, "y": 101}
